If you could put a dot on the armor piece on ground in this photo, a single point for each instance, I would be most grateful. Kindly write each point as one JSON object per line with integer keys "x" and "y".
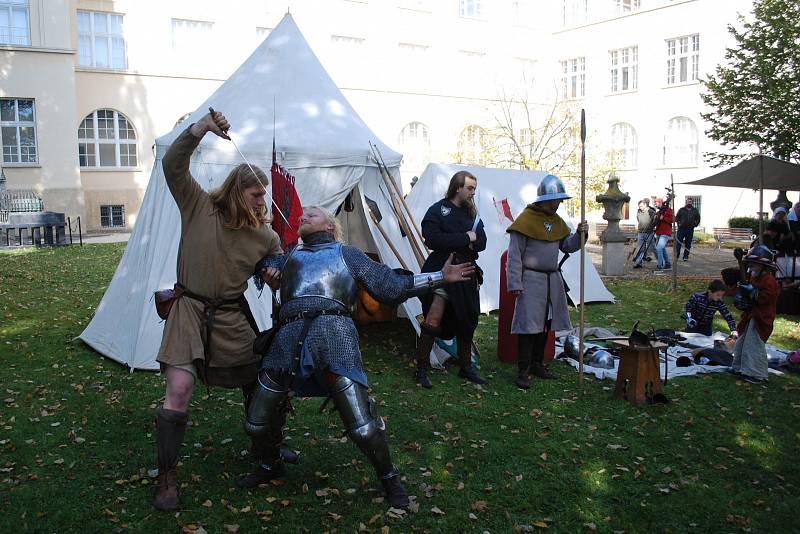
{"x": 746, "y": 297}
{"x": 170, "y": 429}
{"x": 319, "y": 270}
{"x": 572, "y": 346}
{"x": 361, "y": 421}
{"x": 551, "y": 188}
{"x": 762, "y": 255}
{"x": 710, "y": 356}
{"x": 683, "y": 361}
{"x": 601, "y": 358}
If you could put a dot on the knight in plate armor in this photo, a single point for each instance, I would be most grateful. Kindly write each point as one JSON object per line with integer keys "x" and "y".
{"x": 315, "y": 349}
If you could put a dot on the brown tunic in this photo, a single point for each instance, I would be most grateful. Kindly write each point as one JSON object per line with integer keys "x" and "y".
{"x": 215, "y": 262}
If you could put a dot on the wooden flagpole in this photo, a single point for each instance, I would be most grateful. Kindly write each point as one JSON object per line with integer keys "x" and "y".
{"x": 583, "y": 244}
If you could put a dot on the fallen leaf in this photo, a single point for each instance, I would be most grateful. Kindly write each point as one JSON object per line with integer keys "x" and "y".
{"x": 479, "y": 506}
{"x": 436, "y": 510}
{"x": 207, "y": 503}
{"x": 231, "y": 528}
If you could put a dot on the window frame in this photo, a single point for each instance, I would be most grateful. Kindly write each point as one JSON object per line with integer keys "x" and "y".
{"x": 183, "y": 24}
{"x": 108, "y": 36}
{"x": 110, "y": 215}
{"x": 683, "y": 60}
{"x": 472, "y": 142}
{"x": 471, "y": 9}
{"x": 671, "y": 150}
{"x": 630, "y": 151}
{"x": 418, "y": 146}
{"x": 574, "y": 12}
{"x": 632, "y": 6}
{"x": 12, "y": 6}
{"x": 570, "y": 74}
{"x": 17, "y": 124}
{"x": 620, "y": 69}
{"x": 96, "y": 142}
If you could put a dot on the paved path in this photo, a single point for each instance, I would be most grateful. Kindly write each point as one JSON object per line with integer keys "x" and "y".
{"x": 704, "y": 262}
{"x": 116, "y": 237}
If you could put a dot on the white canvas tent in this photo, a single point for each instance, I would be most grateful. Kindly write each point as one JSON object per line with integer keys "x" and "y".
{"x": 320, "y": 140}
{"x": 495, "y": 185}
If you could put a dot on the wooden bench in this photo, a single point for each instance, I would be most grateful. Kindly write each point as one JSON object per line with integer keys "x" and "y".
{"x": 627, "y": 229}
{"x": 733, "y": 234}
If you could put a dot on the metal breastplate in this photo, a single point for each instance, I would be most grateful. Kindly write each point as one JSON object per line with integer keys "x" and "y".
{"x": 319, "y": 271}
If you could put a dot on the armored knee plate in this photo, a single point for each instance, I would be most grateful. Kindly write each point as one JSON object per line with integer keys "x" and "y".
{"x": 359, "y": 414}
{"x": 266, "y": 413}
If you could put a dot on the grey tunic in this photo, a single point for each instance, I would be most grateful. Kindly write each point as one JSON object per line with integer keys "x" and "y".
{"x": 750, "y": 354}
{"x": 526, "y": 259}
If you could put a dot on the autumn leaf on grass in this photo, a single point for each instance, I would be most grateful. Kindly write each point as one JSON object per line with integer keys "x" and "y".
{"x": 479, "y": 506}
{"x": 231, "y": 528}
{"x": 436, "y": 510}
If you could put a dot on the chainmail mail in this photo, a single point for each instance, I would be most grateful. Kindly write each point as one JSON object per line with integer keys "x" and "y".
{"x": 333, "y": 340}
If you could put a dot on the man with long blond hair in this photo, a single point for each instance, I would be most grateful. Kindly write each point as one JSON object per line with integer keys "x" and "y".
{"x": 315, "y": 349}
{"x": 208, "y": 334}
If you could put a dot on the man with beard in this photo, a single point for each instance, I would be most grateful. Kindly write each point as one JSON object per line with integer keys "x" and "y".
{"x": 452, "y": 227}
{"x": 534, "y": 275}
{"x": 315, "y": 349}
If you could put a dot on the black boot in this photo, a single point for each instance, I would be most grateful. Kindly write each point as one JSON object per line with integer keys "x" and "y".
{"x": 465, "y": 358}
{"x": 262, "y": 474}
{"x": 395, "y": 492}
{"x": 539, "y": 369}
{"x": 524, "y": 349}
{"x": 170, "y": 429}
{"x": 424, "y": 360}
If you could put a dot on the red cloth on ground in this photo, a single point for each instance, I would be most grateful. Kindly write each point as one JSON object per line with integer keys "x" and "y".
{"x": 763, "y": 313}
{"x": 285, "y": 197}
{"x": 664, "y": 226}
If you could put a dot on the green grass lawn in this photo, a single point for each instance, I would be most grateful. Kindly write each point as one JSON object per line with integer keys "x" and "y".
{"x": 76, "y": 437}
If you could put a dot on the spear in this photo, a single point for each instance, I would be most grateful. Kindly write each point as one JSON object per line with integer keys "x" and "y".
{"x": 583, "y": 240}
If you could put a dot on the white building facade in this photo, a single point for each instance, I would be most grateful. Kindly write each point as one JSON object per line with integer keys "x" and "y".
{"x": 87, "y": 85}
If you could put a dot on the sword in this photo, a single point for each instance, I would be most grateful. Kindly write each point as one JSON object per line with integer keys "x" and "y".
{"x": 272, "y": 200}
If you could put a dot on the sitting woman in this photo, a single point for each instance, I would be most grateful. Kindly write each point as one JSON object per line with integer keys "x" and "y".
{"x": 701, "y": 308}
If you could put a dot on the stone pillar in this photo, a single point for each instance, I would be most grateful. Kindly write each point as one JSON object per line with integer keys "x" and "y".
{"x": 612, "y": 239}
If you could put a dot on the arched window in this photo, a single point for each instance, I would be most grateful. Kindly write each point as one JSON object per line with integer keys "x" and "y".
{"x": 625, "y": 144}
{"x": 471, "y": 144}
{"x": 415, "y": 142}
{"x": 680, "y": 143}
{"x": 106, "y": 139}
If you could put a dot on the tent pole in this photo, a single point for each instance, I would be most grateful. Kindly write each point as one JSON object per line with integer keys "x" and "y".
{"x": 583, "y": 245}
{"x": 761, "y": 198}
{"x": 388, "y": 241}
{"x": 674, "y": 237}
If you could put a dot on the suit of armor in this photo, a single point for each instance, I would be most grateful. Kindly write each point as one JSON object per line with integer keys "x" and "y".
{"x": 317, "y": 343}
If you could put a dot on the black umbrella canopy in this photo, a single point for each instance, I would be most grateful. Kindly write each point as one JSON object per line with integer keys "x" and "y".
{"x": 777, "y": 174}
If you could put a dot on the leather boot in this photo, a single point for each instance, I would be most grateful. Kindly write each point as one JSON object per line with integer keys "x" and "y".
{"x": 465, "y": 358}
{"x": 424, "y": 360}
{"x": 395, "y": 492}
{"x": 524, "y": 349}
{"x": 538, "y": 368}
{"x": 170, "y": 429}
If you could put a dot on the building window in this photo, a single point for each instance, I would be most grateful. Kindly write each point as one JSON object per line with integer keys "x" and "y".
{"x": 624, "y": 69}
{"x": 680, "y": 143}
{"x": 106, "y": 139}
{"x": 470, "y": 8}
{"x": 261, "y": 32}
{"x": 573, "y": 78}
{"x": 413, "y": 48}
{"x": 348, "y": 41}
{"x": 471, "y": 144}
{"x": 112, "y": 216}
{"x": 101, "y": 40}
{"x": 626, "y": 6}
{"x": 190, "y": 34}
{"x": 415, "y": 143}
{"x": 625, "y": 144}
{"x": 683, "y": 59}
{"x": 18, "y": 127}
{"x": 14, "y": 27}
{"x": 574, "y": 12}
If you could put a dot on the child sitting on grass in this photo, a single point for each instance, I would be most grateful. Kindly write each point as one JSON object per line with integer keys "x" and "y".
{"x": 701, "y": 308}
{"x": 758, "y": 300}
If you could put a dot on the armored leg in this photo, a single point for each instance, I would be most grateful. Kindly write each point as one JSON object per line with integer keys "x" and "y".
{"x": 287, "y": 455}
{"x": 266, "y": 415}
{"x": 359, "y": 414}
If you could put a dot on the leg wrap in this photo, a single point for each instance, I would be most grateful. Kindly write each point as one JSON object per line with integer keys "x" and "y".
{"x": 170, "y": 429}
{"x": 359, "y": 414}
{"x": 266, "y": 415}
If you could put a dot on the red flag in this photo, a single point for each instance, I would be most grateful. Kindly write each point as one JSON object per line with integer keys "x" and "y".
{"x": 503, "y": 210}
{"x": 286, "y": 200}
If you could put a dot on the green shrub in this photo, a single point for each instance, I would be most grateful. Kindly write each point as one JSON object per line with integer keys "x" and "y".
{"x": 745, "y": 222}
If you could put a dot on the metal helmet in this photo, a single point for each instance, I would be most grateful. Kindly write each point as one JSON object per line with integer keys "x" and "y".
{"x": 762, "y": 255}
{"x": 572, "y": 346}
{"x": 601, "y": 358}
{"x": 551, "y": 188}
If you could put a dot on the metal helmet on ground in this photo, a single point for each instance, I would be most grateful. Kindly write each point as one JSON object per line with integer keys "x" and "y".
{"x": 551, "y": 188}
{"x": 572, "y": 346}
{"x": 762, "y": 255}
{"x": 601, "y": 358}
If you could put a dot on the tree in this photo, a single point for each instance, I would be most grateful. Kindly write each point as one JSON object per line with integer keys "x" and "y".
{"x": 755, "y": 96}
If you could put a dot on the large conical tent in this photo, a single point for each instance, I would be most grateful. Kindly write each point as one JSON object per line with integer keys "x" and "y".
{"x": 518, "y": 189}
{"x": 320, "y": 139}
